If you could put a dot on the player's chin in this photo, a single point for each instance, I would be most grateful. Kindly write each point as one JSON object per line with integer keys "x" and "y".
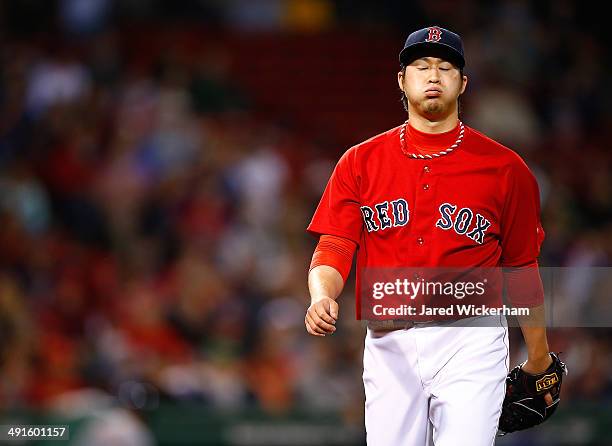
{"x": 433, "y": 106}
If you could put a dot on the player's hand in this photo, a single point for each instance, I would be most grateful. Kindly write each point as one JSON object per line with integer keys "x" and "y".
{"x": 535, "y": 366}
{"x": 321, "y": 317}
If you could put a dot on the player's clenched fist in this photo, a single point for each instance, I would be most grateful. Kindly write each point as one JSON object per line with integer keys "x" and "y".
{"x": 321, "y": 317}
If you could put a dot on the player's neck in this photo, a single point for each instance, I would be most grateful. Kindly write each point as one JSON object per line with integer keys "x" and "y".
{"x": 426, "y": 125}
{"x": 428, "y": 143}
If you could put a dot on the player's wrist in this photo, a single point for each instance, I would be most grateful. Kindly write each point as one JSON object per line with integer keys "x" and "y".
{"x": 318, "y": 298}
{"x": 537, "y": 364}
{"x": 538, "y": 351}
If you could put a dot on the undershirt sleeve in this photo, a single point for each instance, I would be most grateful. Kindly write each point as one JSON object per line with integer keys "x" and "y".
{"x": 336, "y": 252}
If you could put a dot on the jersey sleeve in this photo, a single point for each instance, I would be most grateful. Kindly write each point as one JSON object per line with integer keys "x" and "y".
{"x": 522, "y": 235}
{"x": 339, "y": 211}
{"x": 521, "y": 230}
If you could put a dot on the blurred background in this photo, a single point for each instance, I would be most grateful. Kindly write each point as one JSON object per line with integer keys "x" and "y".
{"x": 160, "y": 160}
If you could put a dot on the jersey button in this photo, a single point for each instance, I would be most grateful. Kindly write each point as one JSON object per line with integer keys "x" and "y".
{"x": 426, "y": 169}
{"x": 420, "y": 240}
{"x": 425, "y": 186}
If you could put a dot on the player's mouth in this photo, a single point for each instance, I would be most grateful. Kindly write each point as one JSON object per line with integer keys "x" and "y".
{"x": 433, "y": 92}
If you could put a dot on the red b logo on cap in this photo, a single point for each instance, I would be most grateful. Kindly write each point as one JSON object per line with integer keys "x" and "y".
{"x": 435, "y": 34}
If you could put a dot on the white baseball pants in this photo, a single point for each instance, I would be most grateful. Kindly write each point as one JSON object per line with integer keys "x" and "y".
{"x": 436, "y": 384}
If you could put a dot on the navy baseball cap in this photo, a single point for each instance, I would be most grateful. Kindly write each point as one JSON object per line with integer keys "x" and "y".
{"x": 433, "y": 41}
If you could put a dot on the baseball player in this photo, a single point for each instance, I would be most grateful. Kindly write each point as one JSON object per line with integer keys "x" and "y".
{"x": 432, "y": 192}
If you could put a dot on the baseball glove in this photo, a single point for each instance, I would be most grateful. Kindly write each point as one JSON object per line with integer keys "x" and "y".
{"x": 524, "y": 404}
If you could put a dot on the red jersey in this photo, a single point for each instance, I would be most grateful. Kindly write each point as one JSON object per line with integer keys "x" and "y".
{"x": 477, "y": 206}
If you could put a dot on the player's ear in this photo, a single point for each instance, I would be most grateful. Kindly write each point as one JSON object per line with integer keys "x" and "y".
{"x": 464, "y": 81}
{"x": 400, "y": 79}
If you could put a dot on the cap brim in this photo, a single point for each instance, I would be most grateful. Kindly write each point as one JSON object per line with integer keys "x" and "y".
{"x": 424, "y": 49}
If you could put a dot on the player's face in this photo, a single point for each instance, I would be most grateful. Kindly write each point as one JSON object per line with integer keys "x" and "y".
{"x": 432, "y": 86}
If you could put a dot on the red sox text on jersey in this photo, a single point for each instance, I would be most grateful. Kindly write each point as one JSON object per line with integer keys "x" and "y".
{"x": 395, "y": 213}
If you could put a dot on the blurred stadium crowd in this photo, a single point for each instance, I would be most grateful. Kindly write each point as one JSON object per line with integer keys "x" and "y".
{"x": 153, "y": 219}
